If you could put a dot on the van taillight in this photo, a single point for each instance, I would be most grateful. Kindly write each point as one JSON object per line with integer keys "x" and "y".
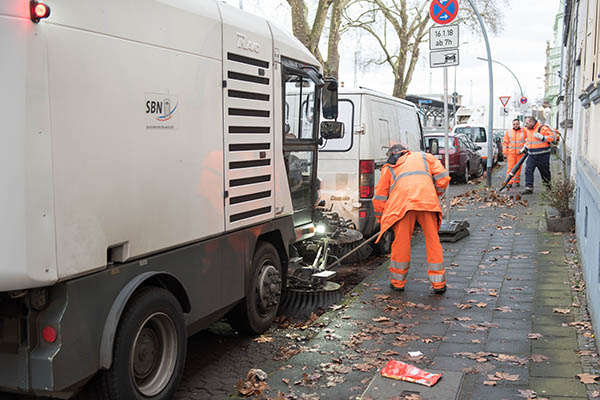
{"x": 38, "y": 11}
{"x": 456, "y": 142}
{"x": 367, "y": 179}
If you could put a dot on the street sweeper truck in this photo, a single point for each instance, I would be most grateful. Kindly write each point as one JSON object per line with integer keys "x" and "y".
{"x": 154, "y": 178}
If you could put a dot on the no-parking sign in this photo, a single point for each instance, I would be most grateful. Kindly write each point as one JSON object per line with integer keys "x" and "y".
{"x": 443, "y": 11}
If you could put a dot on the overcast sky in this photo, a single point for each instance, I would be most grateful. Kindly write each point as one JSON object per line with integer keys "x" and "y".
{"x": 528, "y": 24}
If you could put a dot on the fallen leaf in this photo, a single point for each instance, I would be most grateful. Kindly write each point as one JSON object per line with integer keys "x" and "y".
{"x": 503, "y": 309}
{"x": 476, "y": 341}
{"x": 481, "y": 305}
{"x": 463, "y": 306}
{"x": 263, "y": 339}
{"x": 285, "y": 380}
{"x": 463, "y": 319}
{"x": 382, "y": 297}
{"x": 538, "y": 358}
{"x": 595, "y": 394}
{"x": 489, "y": 383}
{"x": 380, "y": 319}
{"x": 544, "y": 252}
{"x": 493, "y": 292}
{"x": 587, "y": 378}
{"x": 527, "y": 394}
{"x": 534, "y": 336}
{"x": 561, "y": 310}
{"x": 363, "y": 367}
{"x": 507, "y": 377}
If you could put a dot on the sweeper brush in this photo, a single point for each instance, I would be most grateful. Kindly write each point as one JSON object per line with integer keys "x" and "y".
{"x": 308, "y": 288}
{"x": 301, "y": 303}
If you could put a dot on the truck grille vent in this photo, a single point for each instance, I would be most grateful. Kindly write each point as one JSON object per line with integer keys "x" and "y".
{"x": 249, "y": 122}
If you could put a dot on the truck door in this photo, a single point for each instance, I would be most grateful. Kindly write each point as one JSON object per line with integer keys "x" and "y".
{"x": 301, "y": 114}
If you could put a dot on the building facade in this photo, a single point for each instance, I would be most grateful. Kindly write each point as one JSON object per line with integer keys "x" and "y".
{"x": 553, "y": 74}
{"x": 579, "y": 116}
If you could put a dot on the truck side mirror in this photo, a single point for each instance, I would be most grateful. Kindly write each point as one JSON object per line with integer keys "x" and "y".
{"x": 330, "y": 99}
{"x": 332, "y": 130}
{"x": 434, "y": 146}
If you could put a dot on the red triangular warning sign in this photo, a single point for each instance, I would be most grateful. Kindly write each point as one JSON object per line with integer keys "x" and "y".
{"x": 504, "y": 100}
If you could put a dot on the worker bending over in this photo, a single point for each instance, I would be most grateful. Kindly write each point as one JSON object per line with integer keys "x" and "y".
{"x": 408, "y": 192}
{"x": 514, "y": 140}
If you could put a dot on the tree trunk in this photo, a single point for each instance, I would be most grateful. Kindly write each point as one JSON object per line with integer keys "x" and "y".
{"x": 332, "y": 66}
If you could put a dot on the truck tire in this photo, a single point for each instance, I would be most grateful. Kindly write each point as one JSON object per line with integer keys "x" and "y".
{"x": 256, "y": 312}
{"x": 149, "y": 351}
{"x": 385, "y": 244}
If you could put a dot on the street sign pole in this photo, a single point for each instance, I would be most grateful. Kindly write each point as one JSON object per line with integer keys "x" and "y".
{"x": 446, "y": 144}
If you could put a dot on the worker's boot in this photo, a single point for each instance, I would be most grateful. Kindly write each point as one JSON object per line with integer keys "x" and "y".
{"x": 517, "y": 184}
{"x": 509, "y": 186}
{"x": 397, "y": 289}
{"x": 527, "y": 190}
{"x": 440, "y": 290}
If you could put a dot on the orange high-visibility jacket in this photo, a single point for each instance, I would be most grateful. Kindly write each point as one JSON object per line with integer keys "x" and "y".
{"x": 536, "y": 146}
{"x": 513, "y": 141}
{"x": 414, "y": 183}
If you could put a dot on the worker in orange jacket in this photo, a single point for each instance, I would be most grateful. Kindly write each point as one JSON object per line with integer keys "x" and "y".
{"x": 407, "y": 192}
{"x": 514, "y": 140}
{"x": 538, "y": 144}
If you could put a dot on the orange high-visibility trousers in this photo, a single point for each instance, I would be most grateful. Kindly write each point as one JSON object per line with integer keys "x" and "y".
{"x": 400, "y": 257}
{"x": 512, "y": 160}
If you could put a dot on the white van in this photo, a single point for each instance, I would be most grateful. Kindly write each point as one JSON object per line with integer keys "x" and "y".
{"x": 478, "y": 133}
{"x": 349, "y": 168}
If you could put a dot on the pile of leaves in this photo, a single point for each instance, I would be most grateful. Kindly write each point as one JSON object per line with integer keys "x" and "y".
{"x": 254, "y": 384}
{"x": 487, "y": 198}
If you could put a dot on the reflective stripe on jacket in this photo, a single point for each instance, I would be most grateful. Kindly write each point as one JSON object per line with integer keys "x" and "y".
{"x": 413, "y": 183}
{"x": 513, "y": 141}
{"x": 536, "y": 146}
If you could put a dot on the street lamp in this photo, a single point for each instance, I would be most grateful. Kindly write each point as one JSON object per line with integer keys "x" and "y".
{"x": 491, "y": 99}
{"x": 509, "y": 70}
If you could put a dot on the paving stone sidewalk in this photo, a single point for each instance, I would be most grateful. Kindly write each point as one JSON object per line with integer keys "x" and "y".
{"x": 497, "y": 322}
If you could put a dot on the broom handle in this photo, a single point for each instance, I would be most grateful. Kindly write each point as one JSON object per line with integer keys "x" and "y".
{"x": 339, "y": 260}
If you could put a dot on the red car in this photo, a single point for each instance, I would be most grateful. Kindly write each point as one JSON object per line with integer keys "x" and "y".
{"x": 465, "y": 161}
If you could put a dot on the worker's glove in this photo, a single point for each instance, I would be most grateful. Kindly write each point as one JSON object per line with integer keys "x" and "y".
{"x": 523, "y": 150}
{"x": 539, "y": 136}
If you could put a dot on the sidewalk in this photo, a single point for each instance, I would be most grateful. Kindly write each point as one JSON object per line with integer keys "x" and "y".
{"x": 497, "y": 323}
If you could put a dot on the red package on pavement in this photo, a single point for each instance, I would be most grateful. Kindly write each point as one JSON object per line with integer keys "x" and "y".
{"x": 406, "y": 372}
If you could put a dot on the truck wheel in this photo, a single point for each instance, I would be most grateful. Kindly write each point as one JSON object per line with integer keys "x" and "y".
{"x": 149, "y": 350}
{"x": 385, "y": 244}
{"x": 256, "y": 312}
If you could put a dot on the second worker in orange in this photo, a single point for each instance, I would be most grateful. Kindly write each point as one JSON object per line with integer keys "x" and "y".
{"x": 514, "y": 140}
{"x": 408, "y": 192}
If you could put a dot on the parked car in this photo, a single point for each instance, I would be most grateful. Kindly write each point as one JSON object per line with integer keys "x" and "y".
{"x": 463, "y": 153}
{"x": 498, "y": 137}
{"x": 478, "y": 134}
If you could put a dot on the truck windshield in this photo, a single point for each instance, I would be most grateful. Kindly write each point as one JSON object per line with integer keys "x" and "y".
{"x": 477, "y": 134}
{"x": 299, "y": 108}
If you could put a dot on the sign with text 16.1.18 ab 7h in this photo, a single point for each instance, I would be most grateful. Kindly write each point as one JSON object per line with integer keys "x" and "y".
{"x": 443, "y": 37}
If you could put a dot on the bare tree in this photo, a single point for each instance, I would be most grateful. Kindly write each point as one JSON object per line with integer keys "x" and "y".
{"x": 399, "y": 27}
{"x": 310, "y": 32}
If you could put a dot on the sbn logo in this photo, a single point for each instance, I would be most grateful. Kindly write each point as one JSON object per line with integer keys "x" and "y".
{"x": 162, "y": 109}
